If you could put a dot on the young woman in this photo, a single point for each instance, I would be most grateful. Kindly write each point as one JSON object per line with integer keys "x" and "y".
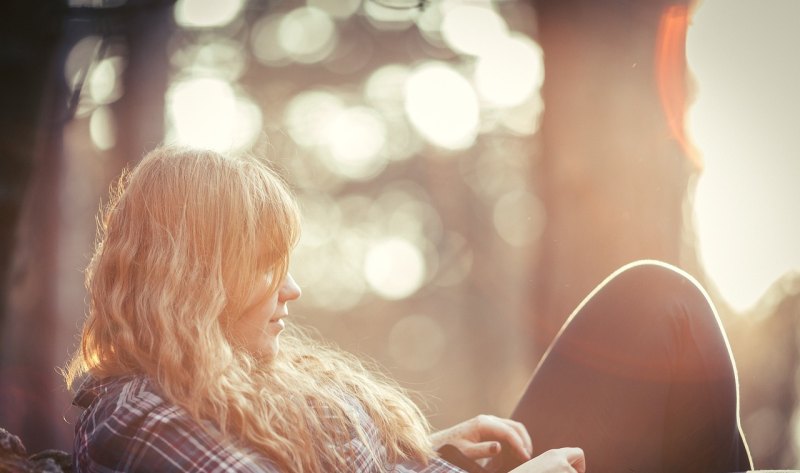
{"x": 187, "y": 363}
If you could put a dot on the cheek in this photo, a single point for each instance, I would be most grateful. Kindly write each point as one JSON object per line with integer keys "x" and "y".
{"x": 248, "y": 321}
{"x": 257, "y": 298}
{"x": 256, "y": 318}
{"x": 258, "y": 306}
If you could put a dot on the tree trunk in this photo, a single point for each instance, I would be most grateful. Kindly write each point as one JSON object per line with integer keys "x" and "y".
{"x": 613, "y": 175}
{"x": 44, "y": 300}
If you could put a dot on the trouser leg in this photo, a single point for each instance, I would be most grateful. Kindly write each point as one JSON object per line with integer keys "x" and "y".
{"x": 641, "y": 377}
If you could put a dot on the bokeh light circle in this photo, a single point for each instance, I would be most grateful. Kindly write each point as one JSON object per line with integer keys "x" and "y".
{"x": 79, "y": 56}
{"x": 511, "y": 72}
{"x": 264, "y": 40}
{"x": 308, "y": 114}
{"x": 104, "y": 84}
{"x": 442, "y": 106}
{"x": 102, "y": 128}
{"x": 394, "y": 268}
{"x": 206, "y": 112}
{"x": 307, "y": 34}
{"x": 206, "y": 13}
{"x": 473, "y": 30}
{"x": 384, "y": 87}
{"x": 220, "y": 57}
{"x": 355, "y": 138}
{"x": 518, "y": 217}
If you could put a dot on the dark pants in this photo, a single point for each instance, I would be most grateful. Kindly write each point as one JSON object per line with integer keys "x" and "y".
{"x": 641, "y": 378}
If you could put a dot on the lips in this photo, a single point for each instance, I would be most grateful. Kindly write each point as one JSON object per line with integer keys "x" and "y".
{"x": 278, "y": 319}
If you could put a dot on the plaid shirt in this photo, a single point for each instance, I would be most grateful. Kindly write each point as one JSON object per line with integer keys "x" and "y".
{"x": 127, "y": 426}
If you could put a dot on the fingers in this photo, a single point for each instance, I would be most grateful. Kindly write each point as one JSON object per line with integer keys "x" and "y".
{"x": 560, "y": 460}
{"x": 482, "y": 437}
{"x": 519, "y": 427}
{"x": 576, "y": 458}
{"x": 513, "y": 433}
{"x": 482, "y": 450}
{"x": 570, "y": 459}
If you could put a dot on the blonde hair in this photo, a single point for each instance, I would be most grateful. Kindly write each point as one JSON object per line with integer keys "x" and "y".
{"x": 180, "y": 247}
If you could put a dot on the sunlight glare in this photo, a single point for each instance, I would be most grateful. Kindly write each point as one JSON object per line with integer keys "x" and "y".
{"x": 744, "y": 122}
{"x": 442, "y": 106}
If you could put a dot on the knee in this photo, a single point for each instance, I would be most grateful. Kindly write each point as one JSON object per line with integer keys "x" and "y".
{"x": 660, "y": 286}
{"x": 640, "y": 317}
{"x": 658, "y": 272}
{"x": 654, "y": 275}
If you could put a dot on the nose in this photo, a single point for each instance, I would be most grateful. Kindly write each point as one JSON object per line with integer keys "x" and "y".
{"x": 289, "y": 290}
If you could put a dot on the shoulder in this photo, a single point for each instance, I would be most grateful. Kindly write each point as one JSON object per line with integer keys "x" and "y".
{"x": 128, "y": 426}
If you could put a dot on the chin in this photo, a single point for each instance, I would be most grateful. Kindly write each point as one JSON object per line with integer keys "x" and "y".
{"x": 269, "y": 349}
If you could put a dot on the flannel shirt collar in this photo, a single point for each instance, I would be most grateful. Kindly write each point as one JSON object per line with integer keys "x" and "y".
{"x": 92, "y": 389}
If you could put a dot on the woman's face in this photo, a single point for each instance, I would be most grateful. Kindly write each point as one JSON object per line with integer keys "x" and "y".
{"x": 261, "y": 323}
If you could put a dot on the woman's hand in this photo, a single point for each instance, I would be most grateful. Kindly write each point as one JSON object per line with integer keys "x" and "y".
{"x": 559, "y": 460}
{"x": 480, "y": 437}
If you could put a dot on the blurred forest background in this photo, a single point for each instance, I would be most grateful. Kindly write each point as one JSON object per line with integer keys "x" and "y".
{"x": 468, "y": 171}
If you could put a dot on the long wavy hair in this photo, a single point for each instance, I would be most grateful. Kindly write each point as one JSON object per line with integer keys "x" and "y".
{"x": 180, "y": 246}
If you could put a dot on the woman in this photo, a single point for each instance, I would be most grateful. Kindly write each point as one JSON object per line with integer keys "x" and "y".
{"x": 189, "y": 369}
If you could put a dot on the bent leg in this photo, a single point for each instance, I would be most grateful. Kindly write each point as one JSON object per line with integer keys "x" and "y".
{"x": 641, "y": 377}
